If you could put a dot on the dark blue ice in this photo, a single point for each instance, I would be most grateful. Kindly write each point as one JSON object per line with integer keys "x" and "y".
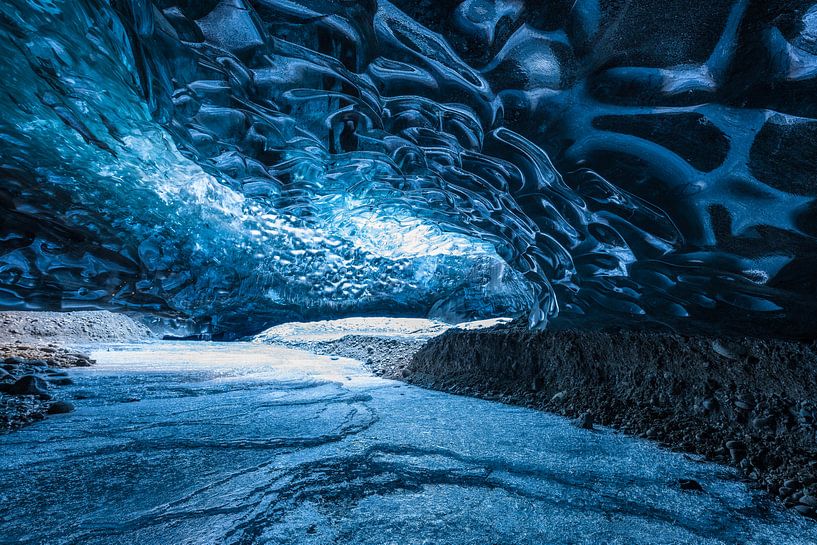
{"x": 578, "y": 162}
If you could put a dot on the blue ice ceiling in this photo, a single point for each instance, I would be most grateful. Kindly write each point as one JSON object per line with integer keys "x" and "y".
{"x": 582, "y": 163}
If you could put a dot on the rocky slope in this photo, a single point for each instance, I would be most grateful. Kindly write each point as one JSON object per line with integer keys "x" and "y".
{"x": 746, "y": 402}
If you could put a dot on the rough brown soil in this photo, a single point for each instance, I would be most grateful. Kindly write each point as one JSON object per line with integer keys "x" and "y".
{"x": 746, "y": 402}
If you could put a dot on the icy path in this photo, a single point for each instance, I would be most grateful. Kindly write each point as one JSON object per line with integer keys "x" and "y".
{"x": 248, "y": 443}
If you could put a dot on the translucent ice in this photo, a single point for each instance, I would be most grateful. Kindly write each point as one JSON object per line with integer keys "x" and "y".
{"x": 251, "y": 161}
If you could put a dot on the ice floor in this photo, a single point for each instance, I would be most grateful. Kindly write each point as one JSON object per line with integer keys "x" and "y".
{"x": 176, "y": 443}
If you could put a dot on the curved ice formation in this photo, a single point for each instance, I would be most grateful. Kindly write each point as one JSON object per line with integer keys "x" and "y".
{"x": 583, "y": 162}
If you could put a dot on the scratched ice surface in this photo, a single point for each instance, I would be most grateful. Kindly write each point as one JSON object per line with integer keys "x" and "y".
{"x": 247, "y": 162}
{"x": 242, "y": 443}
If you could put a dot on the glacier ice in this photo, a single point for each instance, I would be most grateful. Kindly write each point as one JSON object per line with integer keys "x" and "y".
{"x": 246, "y": 162}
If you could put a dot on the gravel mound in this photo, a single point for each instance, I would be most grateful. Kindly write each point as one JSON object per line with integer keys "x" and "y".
{"x": 385, "y": 356}
{"x": 70, "y": 327}
{"x": 385, "y": 345}
{"x": 746, "y": 402}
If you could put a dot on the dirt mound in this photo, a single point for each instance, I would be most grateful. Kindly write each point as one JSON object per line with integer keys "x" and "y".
{"x": 748, "y": 402}
{"x": 70, "y": 327}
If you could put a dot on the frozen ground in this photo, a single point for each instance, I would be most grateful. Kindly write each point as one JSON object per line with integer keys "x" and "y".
{"x": 206, "y": 443}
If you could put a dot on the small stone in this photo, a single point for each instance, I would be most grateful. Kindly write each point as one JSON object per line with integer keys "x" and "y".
{"x": 763, "y": 422}
{"x": 558, "y": 397}
{"x": 811, "y": 501}
{"x": 29, "y": 385}
{"x": 737, "y": 455}
{"x": 804, "y": 510}
{"x": 60, "y": 407}
{"x": 61, "y": 381}
{"x": 585, "y": 421}
{"x": 690, "y": 485}
{"x": 722, "y": 349}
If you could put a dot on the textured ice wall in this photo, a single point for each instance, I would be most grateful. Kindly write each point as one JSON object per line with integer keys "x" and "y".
{"x": 587, "y": 162}
{"x": 101, "y": 209}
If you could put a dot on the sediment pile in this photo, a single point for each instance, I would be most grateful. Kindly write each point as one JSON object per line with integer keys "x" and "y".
{"x": 747, "y": 402}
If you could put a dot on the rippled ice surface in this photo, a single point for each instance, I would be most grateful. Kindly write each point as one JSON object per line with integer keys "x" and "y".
{"x": 253, "y": 162}
{"x": 238, "y": 443}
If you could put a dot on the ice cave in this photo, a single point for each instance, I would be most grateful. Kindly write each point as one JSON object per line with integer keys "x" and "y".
{"x": 408, "y": 272}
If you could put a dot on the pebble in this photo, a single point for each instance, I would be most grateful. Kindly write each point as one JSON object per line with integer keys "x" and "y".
{"x": 558, "y": 397}
{"x": 29, "y": 385}
{"x": 60, "y": 407}
{"x": 811, "y": 501}
{"x": 690, "y": 485}
{"x": 763, "y": 422}
{"x": 722, "y": 349}
{"x": 804, "y": 510}
{"x": 585, "y": 421}
{"x": 743, "y": 405}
